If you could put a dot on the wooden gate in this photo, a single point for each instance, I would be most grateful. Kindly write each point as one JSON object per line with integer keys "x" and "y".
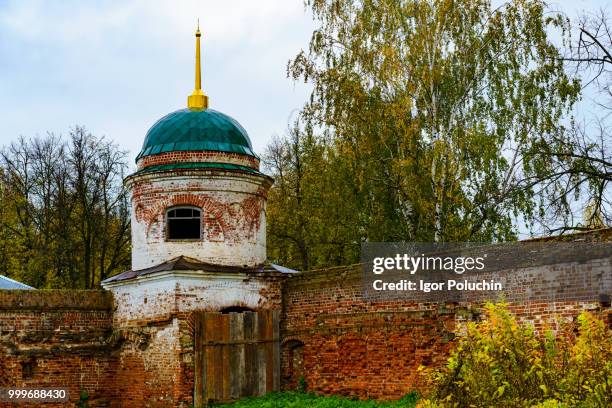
{"x": 236, "y": 355}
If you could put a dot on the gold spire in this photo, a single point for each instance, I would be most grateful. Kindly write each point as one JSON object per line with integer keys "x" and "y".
{"x": 197, "y": 100}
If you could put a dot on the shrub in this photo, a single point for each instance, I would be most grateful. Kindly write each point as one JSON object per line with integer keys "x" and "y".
{"x": 502, "y": 363}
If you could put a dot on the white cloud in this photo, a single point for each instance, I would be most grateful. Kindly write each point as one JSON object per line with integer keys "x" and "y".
{"x": 117, "y": 66}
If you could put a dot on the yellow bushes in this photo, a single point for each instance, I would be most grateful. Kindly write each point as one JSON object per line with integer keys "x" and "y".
{"x": 503, "y": 363}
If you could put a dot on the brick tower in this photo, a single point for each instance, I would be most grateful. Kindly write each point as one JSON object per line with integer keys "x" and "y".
{"x": 198, "y": 222}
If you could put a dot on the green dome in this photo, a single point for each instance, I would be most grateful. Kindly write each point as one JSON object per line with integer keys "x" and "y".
{"x": 196, "y": 130}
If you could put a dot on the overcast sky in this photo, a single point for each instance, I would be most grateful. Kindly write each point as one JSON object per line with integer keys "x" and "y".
{"x": 118, "y": 66}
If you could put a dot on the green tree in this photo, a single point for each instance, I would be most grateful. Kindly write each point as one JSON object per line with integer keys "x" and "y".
{"x": 430, "y": 111}
{"x": 311, "y": 218}
{"x": 63, "y": 211}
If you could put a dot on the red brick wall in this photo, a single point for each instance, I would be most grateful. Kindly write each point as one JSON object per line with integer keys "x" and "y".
{"x": 66, "y": 339}
{"x": 60, "y": 339}
{"x": 355, "y": 348}
{"x": 339, "y": 342}
{"x": 149, "y": 371}
{"x": 373, "y": 349}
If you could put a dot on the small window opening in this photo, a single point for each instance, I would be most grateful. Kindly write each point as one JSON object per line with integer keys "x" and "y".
{"x": 184, "y": 223}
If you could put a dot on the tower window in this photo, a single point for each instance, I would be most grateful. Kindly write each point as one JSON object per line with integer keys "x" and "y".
{"x": 184, "y": 223}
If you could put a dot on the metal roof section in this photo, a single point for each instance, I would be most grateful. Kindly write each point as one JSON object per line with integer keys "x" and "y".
{"x": 196, "y": 130}
{"x": 11, "y": 284}
{"x": 184, "y": 263}
{"x": 282, "y": 269}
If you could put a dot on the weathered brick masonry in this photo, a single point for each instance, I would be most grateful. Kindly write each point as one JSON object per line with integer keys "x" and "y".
{"x": 69, "y": 339}
{"x": 133, "y": 345}
{"x": 233, "y": 225}
{"x": 62, "y": 339}
{"x": 121, "y": 354}
{"x": 137, "y": 349}
{"x": 341, "y": 343}
{"x": 158, "y": 370}
{"x": 352, "y": 347}
{"x": 198, "y": 156}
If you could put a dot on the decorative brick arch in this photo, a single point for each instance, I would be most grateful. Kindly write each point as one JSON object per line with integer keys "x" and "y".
{"x": 221, "y": 221}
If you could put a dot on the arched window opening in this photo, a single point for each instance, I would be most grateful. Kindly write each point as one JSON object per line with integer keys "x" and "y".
{"x": 184, "y": 223}
{"x": 236, "y": 309}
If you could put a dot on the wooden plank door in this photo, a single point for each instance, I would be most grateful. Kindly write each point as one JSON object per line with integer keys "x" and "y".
{"x": 237, "y": 355}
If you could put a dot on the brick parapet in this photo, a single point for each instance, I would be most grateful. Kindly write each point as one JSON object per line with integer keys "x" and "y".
{"x": 198, "y": 157}
{"x": 53, "y": 300}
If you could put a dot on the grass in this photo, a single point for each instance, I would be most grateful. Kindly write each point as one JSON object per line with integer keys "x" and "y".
{"x": 293, "y": 399}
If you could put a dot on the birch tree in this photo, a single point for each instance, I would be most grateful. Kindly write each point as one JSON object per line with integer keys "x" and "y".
{"x": 436, "y": 104}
